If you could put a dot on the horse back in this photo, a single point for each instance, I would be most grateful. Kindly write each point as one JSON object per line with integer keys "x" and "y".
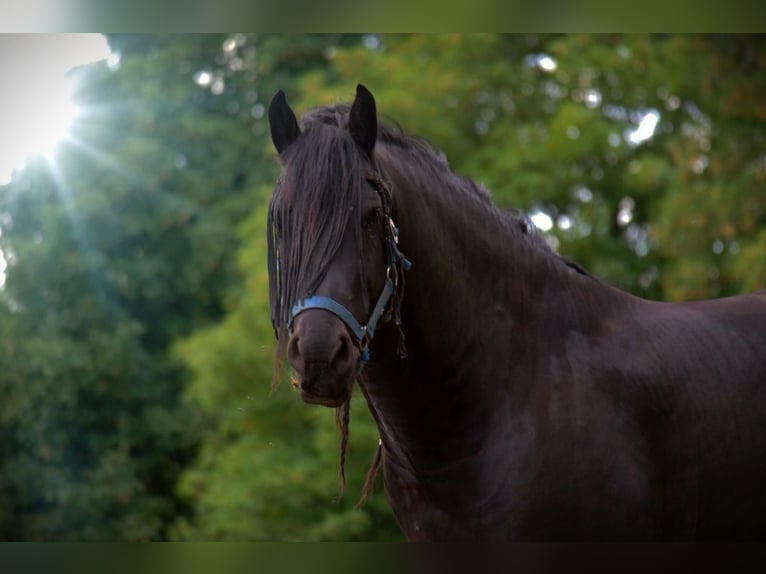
{"x": 701, "y": 387}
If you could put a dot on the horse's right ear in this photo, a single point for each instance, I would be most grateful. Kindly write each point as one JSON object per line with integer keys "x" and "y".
{"x": 363, "y": 120}
{"x": 284, "y": 126}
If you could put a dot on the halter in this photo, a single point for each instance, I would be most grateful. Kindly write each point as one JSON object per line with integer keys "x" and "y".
{"x": 396, "y": 265}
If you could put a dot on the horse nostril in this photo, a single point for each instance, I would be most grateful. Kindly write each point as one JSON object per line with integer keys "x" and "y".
{"x": 342, "y": 352}
{"x": 293, "y": 351}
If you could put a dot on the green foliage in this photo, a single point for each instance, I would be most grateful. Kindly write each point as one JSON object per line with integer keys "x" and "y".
{"x": 116, "y": 248}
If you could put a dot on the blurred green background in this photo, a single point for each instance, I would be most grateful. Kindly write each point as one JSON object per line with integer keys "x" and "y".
{"x": 135, "y": 342}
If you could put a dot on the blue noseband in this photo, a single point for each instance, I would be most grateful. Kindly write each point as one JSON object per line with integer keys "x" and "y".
{"x": 362, "y": 333}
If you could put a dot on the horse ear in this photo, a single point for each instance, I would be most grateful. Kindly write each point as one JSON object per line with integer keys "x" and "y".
{"x": 284, "y": 126}
{"x": 363, "y": 120}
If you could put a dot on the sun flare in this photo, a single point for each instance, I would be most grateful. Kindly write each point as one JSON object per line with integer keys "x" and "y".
{"x": 36, "y": 110}
{"x": 50, "y": 116}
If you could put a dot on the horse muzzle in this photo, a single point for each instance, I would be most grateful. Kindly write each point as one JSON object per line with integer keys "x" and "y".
{"x": 324, "y": 358}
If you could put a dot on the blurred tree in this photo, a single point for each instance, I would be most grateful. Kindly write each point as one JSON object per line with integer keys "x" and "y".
{"x": 120, "y": 245}
{"x": 710, "y": 220}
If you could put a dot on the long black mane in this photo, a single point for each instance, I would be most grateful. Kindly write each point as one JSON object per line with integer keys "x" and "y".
{"x": 310, "y": 208}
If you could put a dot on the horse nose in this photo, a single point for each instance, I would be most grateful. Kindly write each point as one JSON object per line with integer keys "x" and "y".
{"x": 327, "y": 349}
{"x": 336, "y": 354}
{"x": 323, "y": 356}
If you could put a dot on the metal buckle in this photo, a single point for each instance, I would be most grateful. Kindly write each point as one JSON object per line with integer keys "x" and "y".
{"x": 394, "y": 230}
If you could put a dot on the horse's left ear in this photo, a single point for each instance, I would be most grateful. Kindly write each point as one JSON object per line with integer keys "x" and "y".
{"x": 363, "y": 121}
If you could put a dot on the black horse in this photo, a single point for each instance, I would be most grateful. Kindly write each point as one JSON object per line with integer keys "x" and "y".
{"x": 516, "y": 395}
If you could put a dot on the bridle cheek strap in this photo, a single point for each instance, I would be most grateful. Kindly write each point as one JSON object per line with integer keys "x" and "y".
{"x": 362, "y": 333}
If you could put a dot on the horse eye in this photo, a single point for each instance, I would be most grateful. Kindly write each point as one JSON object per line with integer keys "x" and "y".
{"x": 373, "y": 219}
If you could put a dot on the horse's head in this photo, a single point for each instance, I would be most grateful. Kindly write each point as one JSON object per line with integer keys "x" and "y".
{"x": 334, "y": 267}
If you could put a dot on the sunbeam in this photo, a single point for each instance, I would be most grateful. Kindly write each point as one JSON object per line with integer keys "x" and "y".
{"x": 37, "y": 109}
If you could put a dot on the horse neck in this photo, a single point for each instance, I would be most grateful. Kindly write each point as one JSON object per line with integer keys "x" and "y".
{"x": 475, "y": 277}
{"x": 475, "y": 269}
